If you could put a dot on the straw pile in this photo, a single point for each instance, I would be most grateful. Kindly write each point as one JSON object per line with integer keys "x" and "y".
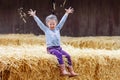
{"x": 28, "y": 59}
{"x": 105, "y": 42}
{"x": 20, "y": 39}
{"x": 109, "y": 43}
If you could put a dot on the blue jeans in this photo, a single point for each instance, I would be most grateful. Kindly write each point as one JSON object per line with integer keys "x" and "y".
{"x": 58, "y": 52}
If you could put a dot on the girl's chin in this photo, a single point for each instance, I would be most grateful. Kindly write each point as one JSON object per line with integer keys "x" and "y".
{"x": 52, "y": 28}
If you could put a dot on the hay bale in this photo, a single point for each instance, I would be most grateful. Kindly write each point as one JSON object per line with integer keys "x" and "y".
{"x": 24, "y": 57}
{"x": 21, "y": 39}
{"x": 30, "y": 62}
{"x": 109, "y": 43}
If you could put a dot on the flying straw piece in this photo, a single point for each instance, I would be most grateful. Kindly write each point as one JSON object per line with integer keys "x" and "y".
{"x": 64, "y": 3}
{"x": 22, "y": 14}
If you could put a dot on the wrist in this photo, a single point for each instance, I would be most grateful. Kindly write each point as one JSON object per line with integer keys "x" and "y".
{"x": 66, "y": 13}
{"x": 33, "y": 15}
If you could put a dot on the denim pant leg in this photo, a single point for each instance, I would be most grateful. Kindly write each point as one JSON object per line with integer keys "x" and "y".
{"x": 57, "y": 54}
{"x": 67, "y": 56}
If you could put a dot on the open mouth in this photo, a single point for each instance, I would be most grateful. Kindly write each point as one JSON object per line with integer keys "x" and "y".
{"x": 52, "y": 27}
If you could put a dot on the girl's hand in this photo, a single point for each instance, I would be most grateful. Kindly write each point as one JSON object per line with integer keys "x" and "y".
{"x": 69, "y": 10}
{"x": 31, "y": 12}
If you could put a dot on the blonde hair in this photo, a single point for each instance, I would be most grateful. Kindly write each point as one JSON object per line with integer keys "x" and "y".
{"x": 53, "y": 17}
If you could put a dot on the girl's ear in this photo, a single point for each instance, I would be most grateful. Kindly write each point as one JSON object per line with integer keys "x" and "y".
{"x": 46, "y": 23}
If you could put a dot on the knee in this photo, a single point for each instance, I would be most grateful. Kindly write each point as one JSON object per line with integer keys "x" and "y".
{"x": 53, "y": 51}
{"x": 68, "y": 56}
{"x": 57, "y": 53}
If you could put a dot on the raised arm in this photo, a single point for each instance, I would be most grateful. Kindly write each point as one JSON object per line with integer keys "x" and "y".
{"x": 62, "y": 21}
{"x": 38, "y": 21}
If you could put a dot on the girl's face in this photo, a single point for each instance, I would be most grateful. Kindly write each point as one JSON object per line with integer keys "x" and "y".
{"x": 51, "y": 24}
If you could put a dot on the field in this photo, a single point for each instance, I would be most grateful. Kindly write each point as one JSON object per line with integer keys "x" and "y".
{"x": 24, "y": 57}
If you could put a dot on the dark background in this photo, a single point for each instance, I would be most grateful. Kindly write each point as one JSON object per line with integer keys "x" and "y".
{"x": 90, "y": 18}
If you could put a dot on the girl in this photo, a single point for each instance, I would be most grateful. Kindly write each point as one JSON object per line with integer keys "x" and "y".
{"x": 52, "y": 33}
